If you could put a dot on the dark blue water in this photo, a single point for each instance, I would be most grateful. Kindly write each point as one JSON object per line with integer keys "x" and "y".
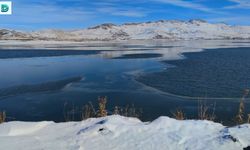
{"x": 37, "y": 88}
{"x": 138, "y": 56}
{"x": 22, "y": 53}
{"x": 217, "y": 73}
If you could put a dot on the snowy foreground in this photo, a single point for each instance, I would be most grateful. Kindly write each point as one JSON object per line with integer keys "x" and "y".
{"x": 122, "y": 133}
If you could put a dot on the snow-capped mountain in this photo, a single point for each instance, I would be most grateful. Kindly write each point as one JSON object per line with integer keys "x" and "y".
{"x": 163, "y": 29}
{"x": 13, "y": 35}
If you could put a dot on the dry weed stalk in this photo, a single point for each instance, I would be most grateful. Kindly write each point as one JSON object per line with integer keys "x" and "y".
{"x": 240, "y": 116}
{"x": 179, "y": 114}
{"x": 2, "y": 117}
{"x": 128, "y": 111}
{"x": 65, "y": 112}
{"x": 88, "y": 111}
{"x": 116, "y": 110}
{"x": 102, "y": 112}
{"x": 203, "y": 111}
{"x": 70, "y": 114}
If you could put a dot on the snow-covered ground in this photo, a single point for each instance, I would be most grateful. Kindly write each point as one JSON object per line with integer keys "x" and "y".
{"x": 122, "y": 133}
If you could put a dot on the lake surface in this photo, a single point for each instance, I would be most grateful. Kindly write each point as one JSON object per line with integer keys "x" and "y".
{"x": 214, "y": 73}
{"x": 158, "y": 77}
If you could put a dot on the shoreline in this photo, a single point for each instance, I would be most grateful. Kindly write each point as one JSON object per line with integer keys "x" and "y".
{"x": 45, "y": 44}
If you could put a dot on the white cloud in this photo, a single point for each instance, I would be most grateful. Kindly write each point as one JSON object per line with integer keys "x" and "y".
{"x": 37, "y": 13}
{"x": 238, "y": 20}
{"x": 239, "y": 4}
{"x": 186, "y": 4}
{"x": 122, "y": 12}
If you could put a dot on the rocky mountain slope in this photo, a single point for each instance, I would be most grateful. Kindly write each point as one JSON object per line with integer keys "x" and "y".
{"x": 13, "y": 35}
{"x": 163, "y": 29}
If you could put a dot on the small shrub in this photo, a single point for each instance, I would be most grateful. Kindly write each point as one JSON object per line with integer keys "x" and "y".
{"x": 2, "y": 117}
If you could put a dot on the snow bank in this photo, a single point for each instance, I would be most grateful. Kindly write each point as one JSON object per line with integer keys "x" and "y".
{"x": 122, "y": 133}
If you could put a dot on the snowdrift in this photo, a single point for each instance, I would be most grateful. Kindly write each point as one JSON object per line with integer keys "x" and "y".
{"x": 122, "y": 133}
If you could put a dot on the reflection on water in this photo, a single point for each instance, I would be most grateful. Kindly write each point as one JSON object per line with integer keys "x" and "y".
{"x": 79, "y": 78}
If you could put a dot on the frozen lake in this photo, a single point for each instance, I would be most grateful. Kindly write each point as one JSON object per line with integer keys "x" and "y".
{"x": 158, "y": 76}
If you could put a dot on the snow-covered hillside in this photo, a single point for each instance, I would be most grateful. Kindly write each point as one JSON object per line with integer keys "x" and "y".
{"x": 13, "y": 35}
{"x": 172, "y": 30}
{"x": 121, "y": 133}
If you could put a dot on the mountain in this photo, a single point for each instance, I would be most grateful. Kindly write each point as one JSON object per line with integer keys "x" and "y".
{"x": 14, "y": 35}
{"x": 163, "y": 29}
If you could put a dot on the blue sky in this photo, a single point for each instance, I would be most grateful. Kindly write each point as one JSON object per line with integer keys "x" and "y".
{"x": 75, "y": 14}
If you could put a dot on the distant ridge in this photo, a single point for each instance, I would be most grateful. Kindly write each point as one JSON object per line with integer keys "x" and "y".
{"x": 162, "y": 29}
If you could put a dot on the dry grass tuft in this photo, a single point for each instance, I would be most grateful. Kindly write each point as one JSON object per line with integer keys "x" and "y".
{"x": 102, "y": 112}
{"x": 128, "y": 111}
{"x": 70, "y": 114}
{"x": 2, "y": 117}
{"x": 179, "y": 114}
{"x": 240, "y": 117}
{"x": 116, "y": 110}
{"x": 88, "y": 111}
{"x": 204, "y": 112}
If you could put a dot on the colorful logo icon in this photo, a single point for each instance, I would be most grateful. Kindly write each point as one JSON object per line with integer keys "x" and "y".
{"x": 4, "y": 8}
